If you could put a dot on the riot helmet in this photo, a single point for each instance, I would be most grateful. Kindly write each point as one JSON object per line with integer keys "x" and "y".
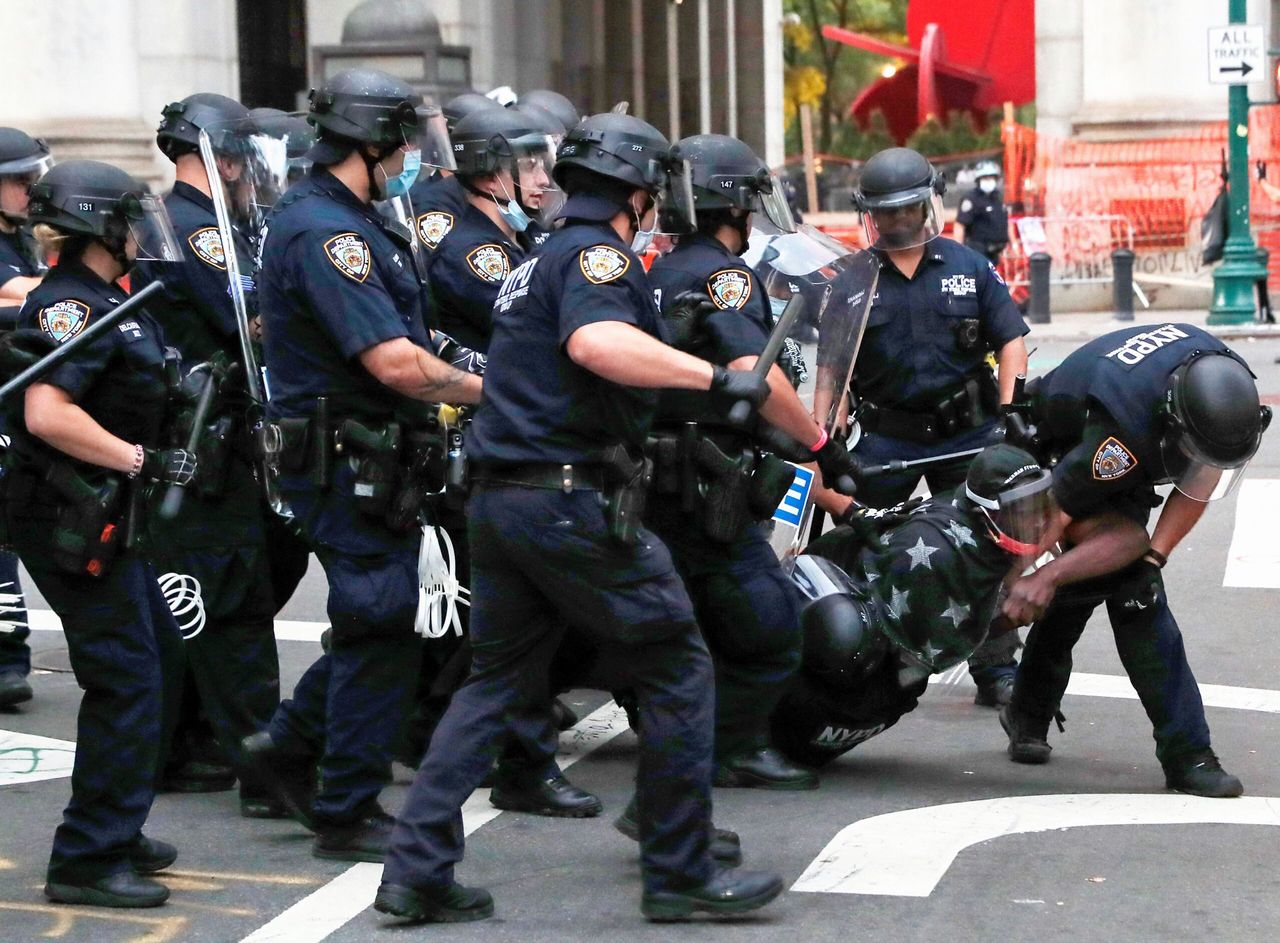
{"x": 368, "y": 107}
{"x": 729, "y": 182}
{"x": 298, "y": 137}
{"x": 102, "y": 202}
{"x": 840, "y": 620}
{"x": 898, "y": 195}
{"x": 1212, "y": 424}
{"x": 458, "y": 107}
{"x": 23, "y": 160}
{"x": 223, "y": 119}
{"x": 1014, "y": 495}
{"x": 564, "y": 110}
{"x": 504, "y": 144}
{"x": 621, "y": 154}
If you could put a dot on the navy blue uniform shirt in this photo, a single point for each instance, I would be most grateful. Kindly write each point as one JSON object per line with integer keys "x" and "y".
{"x": 1099, "y": 410}
{"x": 538, "y": 405}
{"x": 465, "y": 272}
{"x": 983, "y": 217}
{"x": 909, "y": 354}
{"x": 17, "y": 260}
{"x": 195, "y": 306}
{"x": 438, "y": 202}
{"x": 119, "y": 378}
{"x": 332, "y": 284}
{"x": 739, "y": 327}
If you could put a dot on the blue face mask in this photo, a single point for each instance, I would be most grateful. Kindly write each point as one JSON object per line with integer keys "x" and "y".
{"x": 513, "y": 215}
{"x": 400, "y": 184}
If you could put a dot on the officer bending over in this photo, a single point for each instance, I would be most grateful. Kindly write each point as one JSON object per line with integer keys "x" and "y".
{"x": 921, "y": 380}
{"x": 556, "y": 538}
{"x": 705, "y": 506}
{"x": 350, "y": 365}
{"x": 1126, "y": 412}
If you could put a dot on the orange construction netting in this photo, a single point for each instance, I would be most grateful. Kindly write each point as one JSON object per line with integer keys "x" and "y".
{"x": 1150, "y": 194}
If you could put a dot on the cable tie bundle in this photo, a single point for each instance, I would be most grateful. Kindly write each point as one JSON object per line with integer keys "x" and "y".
{"x": 439, "y": 592}
{"x": 182, "y": 594}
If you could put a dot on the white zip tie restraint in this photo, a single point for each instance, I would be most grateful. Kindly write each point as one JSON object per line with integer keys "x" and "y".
{"x": 9, "y": 604}
{"x": 439, "y": 592}
{"x": 182, "y": 593}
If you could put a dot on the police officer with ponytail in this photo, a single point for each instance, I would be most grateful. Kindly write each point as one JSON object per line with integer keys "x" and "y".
{"x": 86, "y": 446}
{"x": 351, "y": 373}
{"x": 707, "y": 497}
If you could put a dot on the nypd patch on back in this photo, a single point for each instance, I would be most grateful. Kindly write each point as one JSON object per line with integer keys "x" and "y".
{"x": 1112, "y": 460}
{"x": 603, "y": 264}
{"x": 729, "y": 288}
{"x": 64, "y": 319}
{"x": 490, "y": 262}
{"x": 349, "y": 255}
{"x": 433, "y": 227}
{"x": 207, "y": 245}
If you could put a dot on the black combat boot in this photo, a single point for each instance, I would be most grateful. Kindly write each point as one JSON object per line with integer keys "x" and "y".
{"x": 995, "y": 693}
{"x": 763, "y": 768}
{"x": 541, "y": 794}
{"x": 148, "y": 855}
{"x": 13, "y": 689}
{"x": 1028, "y": 737}
{"x": 730, "y": 891}
{"x": 1200, "y": 774}
{"x": 365, "y": 839}
{"x": 726, "y": 846}
{"x": 451, "y": 904}
{"x": 126, "y": 889}
{"x": 290, "y": 779}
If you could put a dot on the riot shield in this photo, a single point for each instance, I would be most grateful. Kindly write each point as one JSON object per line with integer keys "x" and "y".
{"x": 838, "y": 283}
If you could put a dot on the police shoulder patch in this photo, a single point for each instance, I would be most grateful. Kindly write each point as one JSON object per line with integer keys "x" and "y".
{"x": 349, "y": 254}
{"x": 603, "y": 264}
{"x": 490, "y": 262}
{"x": 433, "y": 227}
{"x": 1113, "y": 460}
{"x": 729, "y": 288}
{"x": 63, "y": 320}
{"x": 207, "y": 245}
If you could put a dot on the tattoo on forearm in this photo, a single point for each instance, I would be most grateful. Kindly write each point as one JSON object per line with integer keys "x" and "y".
{"x": 447, "y": 377}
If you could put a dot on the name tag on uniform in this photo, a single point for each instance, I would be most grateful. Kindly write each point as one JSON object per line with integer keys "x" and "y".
{"x": 791, "y": 507}
{"x": 132, "y": 329}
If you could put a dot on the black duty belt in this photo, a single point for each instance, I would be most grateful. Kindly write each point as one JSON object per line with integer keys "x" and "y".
{"x": 548, "y": 475}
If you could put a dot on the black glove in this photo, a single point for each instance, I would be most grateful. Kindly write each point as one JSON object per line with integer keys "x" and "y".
{"x": 685, "y": 317}
{"x": 1139, "y": 587}
{"x": 175, "y": 466}
{"x": 840, "y": 469}
{"x": 791, "y": 360}
{"x": 870, "y": 524}
{"x": 732, "y": 386}
{"x": 454, "y": 354}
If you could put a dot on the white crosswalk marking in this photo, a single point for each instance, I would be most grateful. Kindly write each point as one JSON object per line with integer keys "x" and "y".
{"x": 1254, "y": 557}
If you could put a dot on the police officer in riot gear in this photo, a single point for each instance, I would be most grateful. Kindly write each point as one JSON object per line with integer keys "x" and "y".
{"x": 746, "y": 608}
{"x": 438, "y": 198}
{"x": 922, "y": 382}
{"x": 85, "y": 438}
{"x": 350, "y": 365}
{"x": 219, "y": 537}
{"x": 982, "y": 223}
{"x": 1126, "y": 412}
{"x": 902, "y": 594}
{"x": 558, "y": 482}
{"x": 22, "y": 161}
{"x": 297, "y": 135}
{"x": 499, "y": 156}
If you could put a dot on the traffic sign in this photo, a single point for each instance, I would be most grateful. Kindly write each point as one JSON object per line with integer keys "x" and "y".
{"x": 1236, "y": 52}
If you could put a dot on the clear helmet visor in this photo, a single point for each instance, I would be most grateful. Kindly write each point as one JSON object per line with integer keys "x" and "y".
{"x": 250, "y": 167}
{"x": 1022, "y": 517}
{"x": 674, "y": 199}
{"x": 902, "y": 221}
{"x": 16, "y": 178}
{"x": 151, "y": 229}
{"x": 772, "y": 203}
{"x": 533, "y": 157}
{"x": 1195, "y": 474}
{"x": 433, "y": 140}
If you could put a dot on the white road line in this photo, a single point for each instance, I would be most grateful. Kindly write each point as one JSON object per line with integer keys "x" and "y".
{"x": 1254, "y": 557}
{"x": 26, "y": 758}
{"x": 907, "y": 853}
{"x": 328, "y": 909}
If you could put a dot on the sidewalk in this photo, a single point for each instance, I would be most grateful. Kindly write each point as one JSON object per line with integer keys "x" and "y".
{"x": 1083, "y": 325}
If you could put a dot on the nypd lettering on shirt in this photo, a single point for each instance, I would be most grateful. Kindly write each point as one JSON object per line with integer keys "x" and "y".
{"x": 64, "y": 319}
{"x": 1136, "y": 348}
{"x": 207, "y": 245}
{"x": 960, "y": 285}
{"x": 515, "y": 287}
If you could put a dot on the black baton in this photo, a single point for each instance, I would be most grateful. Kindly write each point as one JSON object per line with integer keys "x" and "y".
{"x": 172, "y": 503}
{"x": 741, "y": 411}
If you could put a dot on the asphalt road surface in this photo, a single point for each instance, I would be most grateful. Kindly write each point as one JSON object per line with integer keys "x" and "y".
{"x": 927, "y": 832}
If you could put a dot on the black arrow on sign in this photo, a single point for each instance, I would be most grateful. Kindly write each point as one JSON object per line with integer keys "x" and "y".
{"x": 1243, "y": 68}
